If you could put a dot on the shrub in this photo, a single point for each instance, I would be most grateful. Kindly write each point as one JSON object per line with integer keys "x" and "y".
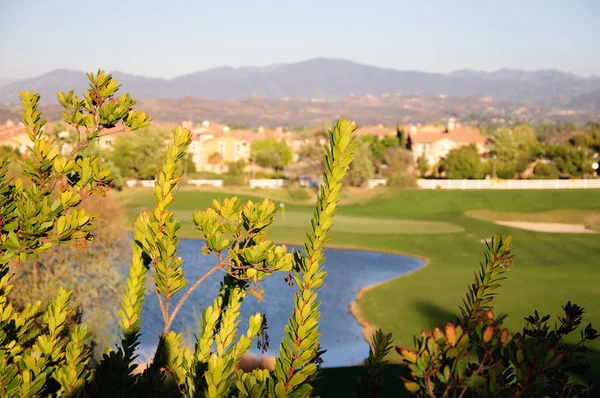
{"x": 270, "y": 176}
{"x": 204, "y": 175}
{"x": 545, "y": 171}
{"x": 39, "y": 355}
{"x": 400, "y": 167}
{"x": 42, "y": 356}
{"x": 299, "y": 192}
{"x": 464, "y": 163}
{"x": 269, "y": 152}
{"x": 422, "y": 165}
{"x": 476, "y": 354}
{"x": 361, "y": 170}
{"x": 232, "y": 180}
{"x": 95, "y": 275}
{"x": 138, "y": 154}
{"x": 506, "y": 170}
{"x": 235, "y": 174}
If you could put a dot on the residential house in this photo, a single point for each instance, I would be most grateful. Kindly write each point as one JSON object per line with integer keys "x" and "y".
{"x": 435, "y": 142}
{"x": 14, "y": 136}
{"x": 231, "y": 146}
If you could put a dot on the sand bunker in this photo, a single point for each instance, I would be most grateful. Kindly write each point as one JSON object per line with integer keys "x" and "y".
{"x": 548, "y": 227}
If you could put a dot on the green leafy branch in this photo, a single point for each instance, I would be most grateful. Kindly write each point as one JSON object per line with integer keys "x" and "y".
{"x": 299, "y": 351}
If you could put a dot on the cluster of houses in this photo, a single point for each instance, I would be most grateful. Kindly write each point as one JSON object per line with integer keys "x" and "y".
{"x": 216, "y": 145}
{"x": 433, "y": 141}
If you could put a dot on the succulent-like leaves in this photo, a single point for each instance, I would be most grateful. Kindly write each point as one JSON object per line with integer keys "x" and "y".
{"x": 477, "y": 355}
{"x": 38, "y": 357}
{"x": 299, "y": 351}
{"x": 498, "y": 260}
{"x": 44, "y": 359}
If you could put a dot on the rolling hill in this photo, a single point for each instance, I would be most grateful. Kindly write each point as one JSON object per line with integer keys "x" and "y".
{"x": 330, "y": 79}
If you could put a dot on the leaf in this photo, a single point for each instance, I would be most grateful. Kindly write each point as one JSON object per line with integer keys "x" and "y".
{"x": 411, "y": 386}
{"x": 475, "y": 381}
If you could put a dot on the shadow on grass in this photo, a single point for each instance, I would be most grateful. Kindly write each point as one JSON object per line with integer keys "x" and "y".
{"x": 436, "y": 316}
{"x": 342, "y": 382}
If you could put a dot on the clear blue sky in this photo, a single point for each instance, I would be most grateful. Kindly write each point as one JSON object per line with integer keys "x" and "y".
{"x": 169, "y": 37}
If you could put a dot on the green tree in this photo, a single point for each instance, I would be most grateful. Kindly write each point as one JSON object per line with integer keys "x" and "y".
{"x": 515, "y": 148}
{"x": 138, "y": 154}
{"x": 422, "y": 165}
{"x": 379, "y": 146}
{"x": 524, "y": 135}
{"x": 464, "y": 162}
{"x": 361, "y": 169}
{"x": 401, "y": 136}
{"x": 505, "y": 145}
{"x": 570, "y": 161}
{"x": 399, "y": 167}
{"x": 271, "y": 153}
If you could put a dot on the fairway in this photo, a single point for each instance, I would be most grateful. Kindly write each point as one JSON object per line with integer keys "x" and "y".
{"x": 550, "y": 269}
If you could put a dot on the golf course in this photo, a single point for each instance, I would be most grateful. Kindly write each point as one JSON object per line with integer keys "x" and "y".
{"x": 448, "y": 229}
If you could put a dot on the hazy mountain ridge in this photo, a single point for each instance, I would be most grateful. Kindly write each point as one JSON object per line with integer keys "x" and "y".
{"x": 365, "y": 109}
{"x": 330, "y": 79}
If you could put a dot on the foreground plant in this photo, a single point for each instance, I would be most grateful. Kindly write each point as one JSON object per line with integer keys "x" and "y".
{"x": 477, "y": 356}
{"x": 236, "y": 235}
{"x": 38, "y": 355}
{"x": 45, "y": 358}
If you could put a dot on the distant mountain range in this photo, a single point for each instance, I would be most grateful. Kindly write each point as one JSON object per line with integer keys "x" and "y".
{"x": 332, "y": 79}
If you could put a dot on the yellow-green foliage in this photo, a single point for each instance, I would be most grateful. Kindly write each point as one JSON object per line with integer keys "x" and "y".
{"x": 38, "y": 355}
{"x": 44, "y": 358}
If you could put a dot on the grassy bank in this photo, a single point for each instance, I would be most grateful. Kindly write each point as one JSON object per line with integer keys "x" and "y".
{"x": 550, "y": 269}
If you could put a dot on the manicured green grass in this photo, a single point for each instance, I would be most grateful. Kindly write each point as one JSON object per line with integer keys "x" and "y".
{"x": 550, "y": 269}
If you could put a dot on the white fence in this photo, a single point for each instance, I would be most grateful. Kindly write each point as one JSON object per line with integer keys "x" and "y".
{"x": 376, "y": 183}
{"x": 509, "y": 184}
{"x": 267, "y": 183}
{"x": 214, "y": 183}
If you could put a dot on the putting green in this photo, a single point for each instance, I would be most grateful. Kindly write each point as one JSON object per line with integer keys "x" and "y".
{"x": 371, "y": 226}
{"x": 589, "y": 218}
{"x": 357, "y": 225}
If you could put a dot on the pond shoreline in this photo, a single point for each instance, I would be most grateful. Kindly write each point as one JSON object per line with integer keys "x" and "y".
{"x": 365, "y": 329}
{"x": 368, "y": 330}
{"x": 327, "y": 246}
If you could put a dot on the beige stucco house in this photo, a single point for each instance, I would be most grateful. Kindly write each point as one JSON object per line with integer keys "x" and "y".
{"x": 435, "y": 144}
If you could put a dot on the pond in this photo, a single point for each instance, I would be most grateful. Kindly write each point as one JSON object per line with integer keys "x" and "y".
{"x": 348, "y": 271}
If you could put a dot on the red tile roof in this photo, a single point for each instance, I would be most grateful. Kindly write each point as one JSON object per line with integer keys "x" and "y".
{"x": 468, "y": 135}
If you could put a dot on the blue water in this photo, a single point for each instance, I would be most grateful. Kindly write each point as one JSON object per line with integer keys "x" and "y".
{"x": 348, "y": 271}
